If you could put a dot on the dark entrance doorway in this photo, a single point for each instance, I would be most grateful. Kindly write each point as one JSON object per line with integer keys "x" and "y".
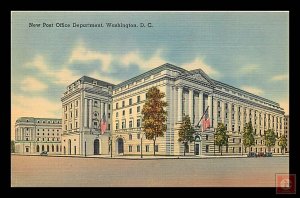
{"x": 196, "y": 149}
{"x": 120, "y": 146}
{"x": 96, "y": 147}
{"x": 69, "y": 147}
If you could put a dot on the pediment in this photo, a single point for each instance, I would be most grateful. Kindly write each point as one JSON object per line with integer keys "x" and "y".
{"x": 198, "y": 75}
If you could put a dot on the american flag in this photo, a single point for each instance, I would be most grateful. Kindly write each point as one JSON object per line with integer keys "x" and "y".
{"x": 205, "y": 121}
{"x": 103, "y": 124}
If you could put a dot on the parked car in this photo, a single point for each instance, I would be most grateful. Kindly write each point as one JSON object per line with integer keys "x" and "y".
{"x": 268, "y": 154}
{"x": 44, "y": 153}
{"x": 260, "y": 154}
{"x": 251, "y": 154}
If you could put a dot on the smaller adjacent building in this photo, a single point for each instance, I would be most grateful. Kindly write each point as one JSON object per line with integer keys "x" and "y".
{"x": 34, "y": 135}
{"x": 287, "y": 131}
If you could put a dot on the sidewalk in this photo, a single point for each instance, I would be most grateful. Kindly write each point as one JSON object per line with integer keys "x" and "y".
{"x": 138, "y": 157}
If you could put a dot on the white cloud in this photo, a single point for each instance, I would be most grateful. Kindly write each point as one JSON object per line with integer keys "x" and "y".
{"x": 250, "y": 68}
{"x": 62, "y": 76}
{"x": 144, "y": 64}
{"x": 199, "y": 63}
{"x": 23, "y": 106}
{"x": 285, "y": 105}
{"x": 32, "y": 84}
{"x": 254, "y": 90}
{"x": 282, "y": 77}
{"x": 81, "y": 54}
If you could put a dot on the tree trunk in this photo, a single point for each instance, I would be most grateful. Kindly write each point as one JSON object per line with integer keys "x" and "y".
{"x": 221, "y": 150}
{"x": 154, "y": 147}
{"x": 184, "y": 145}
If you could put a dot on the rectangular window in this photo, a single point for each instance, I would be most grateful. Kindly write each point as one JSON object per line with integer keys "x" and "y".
{"x": 232, "y": 116}
{"x": 130, "y": 101}
{"x": 130, "y": 111}
{"x": 123, "y": 103}
{"x": 233, "y": 140}
{"x": 130, "y": 148}
{"x": 206, "y": 137}
{"x": 108, "y": 115}
{"x": 117, "y": 125}
{"x": 123, "y": 124}
{"x": 108, "y": 127}
{"x": 138, "y": 98}
{"x": 76, "y": 113}
{"x": 117, "y": 105}
{"x": 130, "y": 124}
{"x": 138, "y": 136}
{"x": 76, "y": 124}
{"x": 95, "y": 124}
{"x": 206, "y": 148}
{"x": 138, "y": 109}
{"x": 108, "y": 106}
{"x": 138, "y": 123}
{"x": 66, "y": 116}
{"x": 226, "y": 115}
{"x": 117, "y": 114}
{"x": 147, "y": 148}
{"x": 138, "y": 148}
{"x": 219, "y": 114}
{"x": 76, "y": 104}
{"x": 123, "y": 113}
{"x": 232, "y": 127}
{"x": 156, "y": 148}
{"x": 71, "y": 114}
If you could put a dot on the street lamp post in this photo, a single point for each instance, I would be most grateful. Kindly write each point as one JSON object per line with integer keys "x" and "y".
{"x": 85, "y": 148}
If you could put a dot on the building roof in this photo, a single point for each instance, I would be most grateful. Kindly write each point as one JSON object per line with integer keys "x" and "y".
{"x": 150, "y": 72}
{"x": 32, "y": 119}
{"x": 88, "y": 79}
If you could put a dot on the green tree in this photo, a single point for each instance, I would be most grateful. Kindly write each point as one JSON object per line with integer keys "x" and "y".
{"x": 154, "y": 115}
{"x": 270, "y": 139}
{"x": 12, "y": 146}
{"x": 221, "y": 138}
{"x": 186, "y": 132}
{"x": 248, "y": 135}
{"x": 283, "y": 143}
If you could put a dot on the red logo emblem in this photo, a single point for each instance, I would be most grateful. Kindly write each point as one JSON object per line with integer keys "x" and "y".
{"x": 285, "y": 183}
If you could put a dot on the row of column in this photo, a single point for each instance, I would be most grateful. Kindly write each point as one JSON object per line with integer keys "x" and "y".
{"x": 88, "y": 112}
{"x": 21, "y": 133}
{"x": 191, "y": 103}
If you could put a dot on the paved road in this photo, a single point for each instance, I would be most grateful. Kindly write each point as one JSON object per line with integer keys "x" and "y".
{"x": 40, "y": 171}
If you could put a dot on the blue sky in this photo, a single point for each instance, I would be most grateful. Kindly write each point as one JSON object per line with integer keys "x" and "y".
{"x": 248, "y": 50}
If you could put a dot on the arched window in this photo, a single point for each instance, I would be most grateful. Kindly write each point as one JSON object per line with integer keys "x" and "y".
{"x": 38, "y": 148}
{"x": 43, "y": 148}
{"x": 56, "y": 148}
{"x": 52, "y": 148}
{"x": 47, "y": 148}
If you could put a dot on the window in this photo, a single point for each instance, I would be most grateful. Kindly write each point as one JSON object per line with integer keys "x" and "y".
{"x": 70, "y": 126}
{"x": 108, "y": 127}
{"x": 206, "y": 137}
{"x": 117, "y": 125}
{"x": 38, "y": 134}
{"x": 27, "y": 120}
{"x": 130, "y": 111}
{"x": 187, "y": 148}
{"x": 123, "y": 113}
{"x": 71, "y": 114}
{"x": 66, "y": 116}
{"x": 138, "y": 136}
{"x": 206, "y": 148}
{"x": 138, "y": 148}
{"x": 123, "y": 124}
{"x": 219, "y": 114}
{"x": 138, "y": 123}
{"x": 38, "y": 121}
{"x": 239, "y": 128}
{"x": 219, "y": 104}
{"x": 130, "y": 124}
{"x": 226, "y": 106}
{"x": 138, "y": 98}
{"x": 130, "y": 101}
{"x": 232, "y": 116}
{"x": 95, "y": 103}
{"x": 130, "y": 136}
{"x": 147, "y": 148}
{"x": 108, "y": 106}
{"x": 76, "y": 103}
{"x": 156, "y": 148}
{"x": 117, "y": 114}
{"x": 71, "y": 106}
{"x": 233, "y": 140}
{"x": 117, "y": 105}
{"x": 130, "y": 148}
{"x": 76, "y": 113}
{"x": 108, "y": 115}
{"x": 232, "y": 127}
{"x": 123, "y": 103}
{"x": 38, "y": 130}
{"x": 138, "y": 109}
{"x": 95, "y": 124}
{"x": 226, "y": 115}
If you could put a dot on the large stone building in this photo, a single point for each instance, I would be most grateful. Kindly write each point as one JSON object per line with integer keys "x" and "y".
{"x": 287, "y": 131}
{"x": 190, "y": 93}
{"x": 34, "y": 135}
{"x": 84, "y": 104}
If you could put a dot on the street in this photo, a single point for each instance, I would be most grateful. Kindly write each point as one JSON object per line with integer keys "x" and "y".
{"x": 42, "y": 171}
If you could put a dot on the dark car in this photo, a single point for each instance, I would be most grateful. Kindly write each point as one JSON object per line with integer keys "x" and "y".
{"x": 260, "y": 154}
{"x": 44, "y": 153}
{"x": 251, "y": 154}
{"x": 268, "y": 154}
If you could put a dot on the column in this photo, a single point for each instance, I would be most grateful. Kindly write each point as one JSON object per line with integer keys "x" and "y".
{"x": 106, "y": 109}
{"x": 22, "y": 134}
{"x": 257, "y": 122}
{"x": 191, "y": 106}
{"x": 247, "y": 115}
{"x": 236, "y": 118}
{"x": 263, "y": 123}
{"x": 179, "y": 119}
{"x": 252, "y": 114}
{"x": 210, "y": 109}
{"x": 90, "y": 113}
{"x": 223, "y": 112}
{"x": 242, "y": 118}
{"x": 200, "y": 104}
{"x": 215, "y": 113}
{"x": 230, "y": 116}
{"x": 271, "y": 121}
{"x": 85, "y": 113}
{"x": 267, "y": 121}
{"x": 275, "y": 124}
